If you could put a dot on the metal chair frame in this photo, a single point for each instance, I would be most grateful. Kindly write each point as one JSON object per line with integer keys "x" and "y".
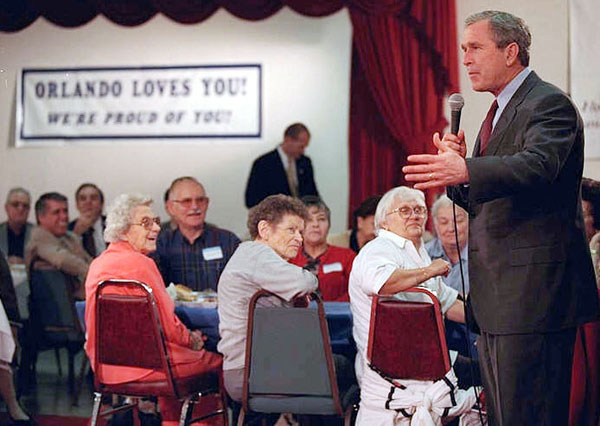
{"x": 339, "y": 411}
{"x": 102, "y": 389}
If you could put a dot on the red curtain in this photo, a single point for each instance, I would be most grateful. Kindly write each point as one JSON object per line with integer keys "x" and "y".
{"x": 402, "y": 66}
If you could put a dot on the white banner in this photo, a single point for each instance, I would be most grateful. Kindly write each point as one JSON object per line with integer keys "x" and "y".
{"x": 143, "y": 102}
{"x": 585, "y": 69}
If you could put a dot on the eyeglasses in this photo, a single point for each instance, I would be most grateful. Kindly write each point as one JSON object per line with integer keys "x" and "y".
{"x": 17, "y": 204}
{"x": 187, "y": 202}
{"x": 406, "y": 212}
{"x": 148, "y": 222}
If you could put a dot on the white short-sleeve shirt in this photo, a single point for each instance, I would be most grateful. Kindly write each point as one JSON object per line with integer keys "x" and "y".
{"x": 374, "y": 264}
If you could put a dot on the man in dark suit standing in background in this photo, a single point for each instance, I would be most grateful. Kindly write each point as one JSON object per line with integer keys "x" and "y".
{"x": 90, "y": 223}
{"x": 532, "y": 282}
{"x": 285, "y": 170}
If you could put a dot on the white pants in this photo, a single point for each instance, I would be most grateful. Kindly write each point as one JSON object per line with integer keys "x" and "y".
{"x": 421, "y": 403}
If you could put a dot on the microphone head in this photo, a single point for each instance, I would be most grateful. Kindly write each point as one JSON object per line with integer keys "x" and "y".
{"x": 456, "y": 102}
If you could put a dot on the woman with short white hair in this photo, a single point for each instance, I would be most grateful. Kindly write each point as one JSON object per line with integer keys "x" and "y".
{"x": 131, "y": 230}
{"x": 395, "y": 261}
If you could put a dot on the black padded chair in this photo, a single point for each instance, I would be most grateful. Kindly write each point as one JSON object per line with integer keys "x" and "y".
{"x": 289, "y": 363}
{"x": 53, "y": 320}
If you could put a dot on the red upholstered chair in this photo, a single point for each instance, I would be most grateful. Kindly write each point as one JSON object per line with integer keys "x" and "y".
{"x": 406, "y": 339}
{"x": 129, "y": 333}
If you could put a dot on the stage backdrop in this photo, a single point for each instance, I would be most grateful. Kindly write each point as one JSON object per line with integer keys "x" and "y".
{"x": 585, "y": 69}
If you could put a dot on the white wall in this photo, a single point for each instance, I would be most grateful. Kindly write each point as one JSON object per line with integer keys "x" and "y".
{"x": 306, "y": 74}
{"x": 306, "y": 66}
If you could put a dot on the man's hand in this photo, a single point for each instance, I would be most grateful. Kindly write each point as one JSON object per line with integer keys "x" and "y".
{"x": 444, "y": 169}
{"x": 197, "y": 340}
{"x": 450, "y": 142}
{"x": 439, "y": 267}
{"x": 15, "y": 260}
{"x": 83, "y": 223}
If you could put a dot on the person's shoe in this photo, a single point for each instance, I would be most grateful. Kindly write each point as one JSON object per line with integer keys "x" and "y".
{"x": 14, "y": 422}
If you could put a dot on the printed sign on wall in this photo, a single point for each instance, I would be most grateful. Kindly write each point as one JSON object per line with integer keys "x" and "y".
{"x": 139, "y": 102}
{"x": 585, "y": 63}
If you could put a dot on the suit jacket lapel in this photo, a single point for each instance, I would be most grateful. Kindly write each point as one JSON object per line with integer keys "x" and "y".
{"x": 509, "y": 112}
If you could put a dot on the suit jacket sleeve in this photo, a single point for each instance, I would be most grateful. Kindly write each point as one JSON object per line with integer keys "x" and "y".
{"x": 49, "y": 249}
{"x": 254, "y": 187}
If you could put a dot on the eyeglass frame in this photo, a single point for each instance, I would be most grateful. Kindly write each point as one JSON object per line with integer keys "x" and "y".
{"x": 199, "y": 200}
{"x": 148, "y": 222}
{"x": 17, "y": 204}
{"x": 423, "y": 212}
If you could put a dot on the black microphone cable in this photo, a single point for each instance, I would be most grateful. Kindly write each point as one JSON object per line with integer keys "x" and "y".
{"x": 468, "y": 333}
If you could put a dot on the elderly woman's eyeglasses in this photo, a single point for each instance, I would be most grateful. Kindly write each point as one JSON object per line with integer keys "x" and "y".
{"x": 187, "y": 202}
{"x": 406, "y": 212}
{"x": 148, "y": 222}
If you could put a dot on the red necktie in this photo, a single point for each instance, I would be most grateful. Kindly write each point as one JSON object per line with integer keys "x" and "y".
{"x": 486, "y": 128}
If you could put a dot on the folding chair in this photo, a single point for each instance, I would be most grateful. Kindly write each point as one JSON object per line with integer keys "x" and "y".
{"x": 289, "y": 364}
{"x": 129, "y": 333}
{"x": 407, "y": 339}
{"x": 53, "y": 322}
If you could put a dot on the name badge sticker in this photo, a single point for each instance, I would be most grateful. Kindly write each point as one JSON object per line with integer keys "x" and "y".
{"x": 332, "y": 267}
{"x": 212, "y": 253}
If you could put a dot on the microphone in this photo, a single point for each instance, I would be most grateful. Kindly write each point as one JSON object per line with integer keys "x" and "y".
{"x": 456, "y": 102}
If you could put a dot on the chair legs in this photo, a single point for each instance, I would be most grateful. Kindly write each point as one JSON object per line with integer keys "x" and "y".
{"x": 188, "y": 407}
{"x": 96, "y": 408}
{"x": 79, "y": 382}
{"x": 186, "y": 411}
{"x": 58, "y": 363}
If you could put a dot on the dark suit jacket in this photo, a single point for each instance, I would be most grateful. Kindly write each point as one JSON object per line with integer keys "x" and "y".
{"x": 268, "y": 177}
{"x": 529, "y": 262}
{"x": 4, "y": 236}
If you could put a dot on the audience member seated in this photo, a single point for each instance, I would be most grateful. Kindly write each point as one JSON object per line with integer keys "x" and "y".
{"x": 132, "y": 230}
{"x": 393, "y": 262}
{"x": 7, "y": 291}
{"x": 363, "y": 228}
{"x": 7, "y": 388}
{"x": 285, "y": 170}
{"x": 15, "y": 232}
{"x": 444, "y": 244}
{"x": 52, "y": 246}
{"x": 90, "y": 223}
{"x": 275, "y": 226}
{"x": 585, "y": 380}
{"x": 331, "y": 264}
{"x": 195, "y": 252}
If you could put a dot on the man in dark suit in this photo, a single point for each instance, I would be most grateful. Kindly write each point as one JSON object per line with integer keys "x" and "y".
{"x": 532, "y": 282}
{"x": 285, "y": 170}
{"x": 90, "y": 223}
{"x": 15, "y": 232}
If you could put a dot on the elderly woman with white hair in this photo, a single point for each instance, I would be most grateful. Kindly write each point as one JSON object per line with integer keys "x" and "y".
{"x": 395, "y": 261}
{"x": 131, "y": 230}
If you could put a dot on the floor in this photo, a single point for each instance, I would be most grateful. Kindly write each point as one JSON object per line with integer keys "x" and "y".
{"x": 51, "y": 395}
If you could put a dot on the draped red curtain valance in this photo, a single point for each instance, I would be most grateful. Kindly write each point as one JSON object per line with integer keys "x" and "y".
{"x": 404, "y": 62}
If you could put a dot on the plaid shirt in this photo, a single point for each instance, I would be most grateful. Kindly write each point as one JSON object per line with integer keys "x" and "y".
{"x": 183, "y": 263}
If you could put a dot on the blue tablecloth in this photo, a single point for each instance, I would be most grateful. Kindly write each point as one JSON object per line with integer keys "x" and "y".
{"x": 339, "y": 320}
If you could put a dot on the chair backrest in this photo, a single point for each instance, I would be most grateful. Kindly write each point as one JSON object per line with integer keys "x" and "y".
{"x": 52, "y": 305}
{"x": 128, "y": 330}
{"x": 406, "y": 339}
{"x": 288, "y": 353}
